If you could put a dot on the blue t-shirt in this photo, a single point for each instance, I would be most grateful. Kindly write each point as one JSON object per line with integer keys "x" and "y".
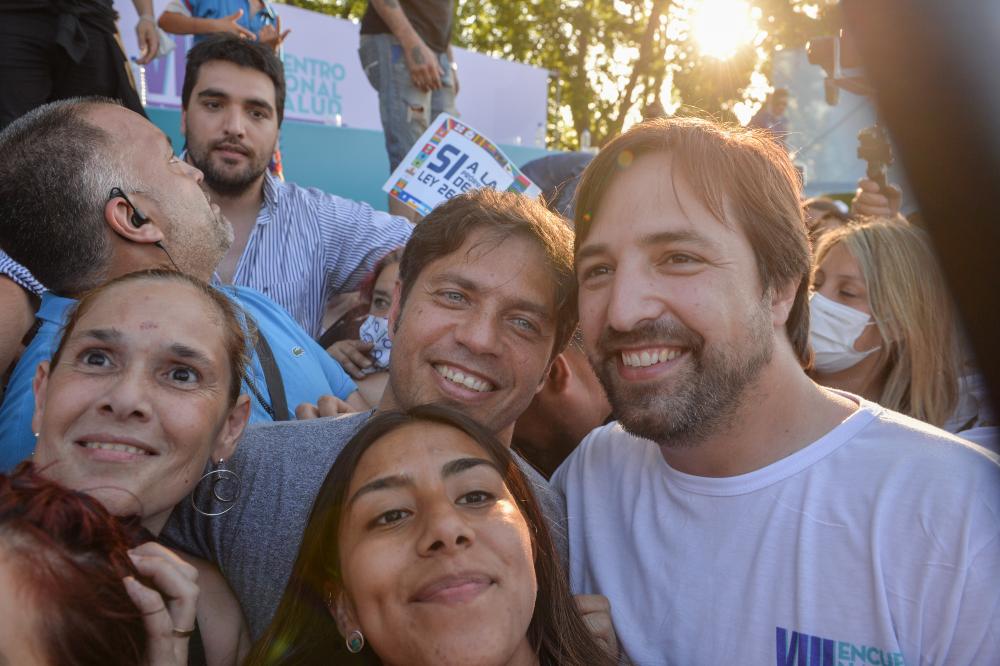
{"x": 307, "y": 371}
{"x": 223, "y": 8}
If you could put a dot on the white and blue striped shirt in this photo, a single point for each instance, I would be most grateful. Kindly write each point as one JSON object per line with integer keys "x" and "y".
{"x": 19, "y": 274}
{"x": 308, "y": 245}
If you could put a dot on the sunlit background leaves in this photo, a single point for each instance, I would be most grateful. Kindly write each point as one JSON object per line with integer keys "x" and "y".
{"x": 610, "y": 59}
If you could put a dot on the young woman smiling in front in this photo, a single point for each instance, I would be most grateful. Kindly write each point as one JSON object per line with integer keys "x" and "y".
{"x": 881, "y": 323}
{"x": 425, "y": 546}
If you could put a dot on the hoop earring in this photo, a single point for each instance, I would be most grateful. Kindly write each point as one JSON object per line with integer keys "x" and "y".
{"x": 225, "y": 488}
{"x": 355, "y": 642}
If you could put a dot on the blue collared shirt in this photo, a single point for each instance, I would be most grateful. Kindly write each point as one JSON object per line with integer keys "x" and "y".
{"x": 306, "y": 369}
{"x": 308, "y": 245}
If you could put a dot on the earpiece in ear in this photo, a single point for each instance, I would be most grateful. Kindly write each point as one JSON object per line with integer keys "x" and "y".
{"x": 138, "y": 218}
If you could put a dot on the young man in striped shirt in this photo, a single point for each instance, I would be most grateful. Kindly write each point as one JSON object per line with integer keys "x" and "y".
{"x": 299, "y": 246}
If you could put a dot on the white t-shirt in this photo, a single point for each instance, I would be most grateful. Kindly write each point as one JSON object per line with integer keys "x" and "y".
{"x": 877, "y": 544}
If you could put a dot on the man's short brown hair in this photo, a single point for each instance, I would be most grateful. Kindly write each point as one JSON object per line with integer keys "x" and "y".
{"x": 728, "y": 168}
{"x": 503, "y": 214}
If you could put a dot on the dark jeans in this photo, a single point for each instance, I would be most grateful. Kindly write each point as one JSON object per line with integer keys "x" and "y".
{"x": 37, "y": 70}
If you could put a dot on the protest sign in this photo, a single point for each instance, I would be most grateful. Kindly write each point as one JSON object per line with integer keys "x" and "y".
{"x": 451, "y": 158}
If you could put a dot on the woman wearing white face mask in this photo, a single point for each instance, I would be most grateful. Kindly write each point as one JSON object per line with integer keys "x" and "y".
{"x": 881, "y": 322}
{"x": 366, "y": 358}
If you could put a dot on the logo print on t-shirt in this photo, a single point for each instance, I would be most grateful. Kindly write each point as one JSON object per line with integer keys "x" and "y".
{"x": 793, "y": 648}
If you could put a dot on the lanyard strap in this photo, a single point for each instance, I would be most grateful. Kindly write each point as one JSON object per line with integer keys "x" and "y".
{"x": 272, "y": 375}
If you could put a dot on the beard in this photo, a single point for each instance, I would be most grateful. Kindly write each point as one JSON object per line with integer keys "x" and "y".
{"x": 197, "y": 234}
{"x": 222, "y": 231}
{"x": 693, "y": 404}
{"x": 225, "y": 179}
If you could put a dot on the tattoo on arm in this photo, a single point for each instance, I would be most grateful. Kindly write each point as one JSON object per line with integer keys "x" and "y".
{"x": 417, "y": 55}
{"x": 390, "y": 4}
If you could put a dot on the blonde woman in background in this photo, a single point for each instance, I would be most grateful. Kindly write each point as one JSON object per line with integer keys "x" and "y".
{"x": 882, "y": 324}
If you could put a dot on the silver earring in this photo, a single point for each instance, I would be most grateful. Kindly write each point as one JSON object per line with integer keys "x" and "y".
{"x": 355, "y": 642}
{"x": 37, "y": 434}
{"x": 225, "y": 489}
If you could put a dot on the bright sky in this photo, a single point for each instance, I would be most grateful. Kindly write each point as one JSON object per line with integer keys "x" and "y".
{"x": 721, "y": 27}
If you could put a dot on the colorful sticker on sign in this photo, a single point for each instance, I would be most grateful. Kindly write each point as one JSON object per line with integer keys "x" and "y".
{"x": 451, "y": 158}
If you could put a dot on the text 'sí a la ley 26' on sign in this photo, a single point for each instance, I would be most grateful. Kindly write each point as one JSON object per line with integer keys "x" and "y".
{"x": 451, "y": 158}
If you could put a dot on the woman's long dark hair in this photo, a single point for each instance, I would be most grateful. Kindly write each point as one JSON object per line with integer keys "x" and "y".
{"x": 304, "y": 633}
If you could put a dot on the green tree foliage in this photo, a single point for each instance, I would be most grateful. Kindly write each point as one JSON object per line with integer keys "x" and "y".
{"x": 610, "y": 59}
{"x": 341, "y": 8}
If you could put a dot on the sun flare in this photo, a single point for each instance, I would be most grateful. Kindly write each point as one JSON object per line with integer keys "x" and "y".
{"x": 721, "y": 27}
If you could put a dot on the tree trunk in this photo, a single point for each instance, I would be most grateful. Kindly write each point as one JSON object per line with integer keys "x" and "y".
{"x": 641, "y": 65}
{"x": 580, "y": 95}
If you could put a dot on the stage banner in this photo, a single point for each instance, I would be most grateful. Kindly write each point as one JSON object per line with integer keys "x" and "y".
{"x": 325, "y": 83}
{"x": 451, "y": 158}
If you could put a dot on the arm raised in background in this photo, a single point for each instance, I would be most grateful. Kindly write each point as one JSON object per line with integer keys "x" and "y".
{"x": 870, "y": 199}
{"x": 420, "y": 59}
{"x": 145, "y": 31}
{"x": 177, "y": 20}
{"x": 271, "y": 35}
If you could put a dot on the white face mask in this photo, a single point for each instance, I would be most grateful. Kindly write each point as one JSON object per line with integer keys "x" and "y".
{"x": 833, "y": 330}
{"x": 376, "y": 331}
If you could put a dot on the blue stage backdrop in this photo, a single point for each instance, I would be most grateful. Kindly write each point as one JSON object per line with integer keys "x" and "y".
{"x": 341, "y": 160}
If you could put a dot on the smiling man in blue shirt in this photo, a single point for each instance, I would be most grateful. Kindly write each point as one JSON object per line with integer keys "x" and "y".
{"x": 299, "y": 246}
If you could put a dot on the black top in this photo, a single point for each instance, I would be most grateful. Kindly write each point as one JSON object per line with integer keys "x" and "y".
{"x": 430, "y": 18}
{"x": 73, "y": 14}
{"x": 99, "y": 10}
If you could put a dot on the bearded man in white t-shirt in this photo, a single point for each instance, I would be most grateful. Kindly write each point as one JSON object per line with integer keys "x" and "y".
{"x": 738, "y": 513}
